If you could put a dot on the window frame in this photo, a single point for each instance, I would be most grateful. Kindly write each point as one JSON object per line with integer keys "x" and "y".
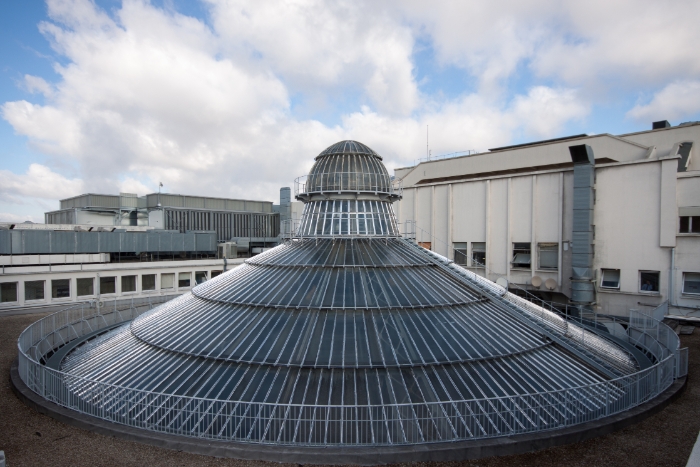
{"x": 114, "y": 279}
{"x": 460, "y": 254}
{"x": 155, "y": 283}
{"x": 77, "y": 287}
{"x": 692, "y": 227}
{"x": 16, "y": 300}
{"x": 167, "y": 274}
{"x": 189, "y": 281}
{"x": 136, "y": 284}
{"x": 519, "y": 249}
{"x": 658, "y": 282}
{"x": 43, "y": 293}
{"x": 206, "y": 277}
{"x": 539, "y": 252}
{"x": 474, "y": 262}
{"x": 67, "y": 297}
{"x": 694, "y": 294}
{"x": 602, "y": 279}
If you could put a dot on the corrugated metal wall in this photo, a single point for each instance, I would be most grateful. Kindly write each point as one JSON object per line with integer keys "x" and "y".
{"x": 214, "y": 204}
{"x": 66, "y": 216}
{"x": 34, "y": 242}
{"x": 226, "y": 224}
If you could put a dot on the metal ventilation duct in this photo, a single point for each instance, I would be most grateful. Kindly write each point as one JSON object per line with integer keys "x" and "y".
{"x": 582, "y": 281}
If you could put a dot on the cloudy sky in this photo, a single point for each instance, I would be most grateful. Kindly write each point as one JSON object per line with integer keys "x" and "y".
{"x": 232, "y": 98}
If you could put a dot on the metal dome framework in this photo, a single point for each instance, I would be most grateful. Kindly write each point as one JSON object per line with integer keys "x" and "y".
{"x": 348, "y": 336}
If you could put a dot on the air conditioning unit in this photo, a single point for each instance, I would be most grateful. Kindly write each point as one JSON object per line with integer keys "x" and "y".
{"x": 228, "y": 250}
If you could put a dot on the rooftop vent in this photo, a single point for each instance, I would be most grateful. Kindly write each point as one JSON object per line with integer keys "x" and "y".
{"x": 660, "y": 124}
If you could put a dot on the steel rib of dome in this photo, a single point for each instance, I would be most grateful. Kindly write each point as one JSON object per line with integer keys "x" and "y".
{"x": 344, "y": 339}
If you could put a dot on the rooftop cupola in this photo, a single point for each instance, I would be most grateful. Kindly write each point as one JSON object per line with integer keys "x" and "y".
{"x": 348, "y": 192}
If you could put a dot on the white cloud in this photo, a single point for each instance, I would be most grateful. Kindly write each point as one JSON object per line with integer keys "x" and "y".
{"x": 324, "y": 47}
{"x": 36, "y": 84}
{"x": 676, "y": 101}
{"x": 150, "y": 95}
{"x": 38, "y": 182}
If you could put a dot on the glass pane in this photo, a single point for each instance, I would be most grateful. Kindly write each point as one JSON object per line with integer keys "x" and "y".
{"x": 86, "y": 286}
{"x": 167, "y": 281}
{"x": 478, "y": 246}
{"x": 685, "y": 225}
{"x": 215, "y": 273}
{"x": 691, "y": 282}
{"x": 478, "y": 258}
{"x": 649, "y": 281}
{"x": 695, "y": 224}
{"x": 128, "y": 284}
{"x": 60, "y": 288}
{"x": 148, "y": 282}
{"x": 611, "y": 278}
{"x": 521, "y": 260}
{"x": 184, "y": 279}
{"x": 8, "y": 292}
{"x": 200, "y": 277}
{"x": 549, "y": 256}
{"x": 108, "y": 285}
{"x": 34, "y": 290}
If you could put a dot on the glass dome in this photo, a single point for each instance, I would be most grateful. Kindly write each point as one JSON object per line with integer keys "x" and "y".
{"x": 340, "y": 338}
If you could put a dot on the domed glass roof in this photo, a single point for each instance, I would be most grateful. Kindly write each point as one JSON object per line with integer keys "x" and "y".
{"x": 348, "y": 147}
{"x": 338, "y": 337}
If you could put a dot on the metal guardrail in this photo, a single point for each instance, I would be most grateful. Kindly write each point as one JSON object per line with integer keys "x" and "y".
{"x": 347, "y": 181}
{"x": 386, "y": 424}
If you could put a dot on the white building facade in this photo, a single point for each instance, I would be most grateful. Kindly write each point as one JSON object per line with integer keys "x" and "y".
{"x": 58, "y": 280}
{"x": 509, "y": 213}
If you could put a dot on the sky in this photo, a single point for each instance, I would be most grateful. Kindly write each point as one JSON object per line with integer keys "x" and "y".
{"x": 234, "y": 99}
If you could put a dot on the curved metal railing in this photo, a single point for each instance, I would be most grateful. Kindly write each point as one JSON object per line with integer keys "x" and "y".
{"x": 347, "y": 182}
{"x": 337, "y": 425}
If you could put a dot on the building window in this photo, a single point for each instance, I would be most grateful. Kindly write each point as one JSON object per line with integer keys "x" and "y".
{"x": 649, "y": 281}
{"x": 148, "y": 282}
{"x": 128, "y": 284}
{"x": 60, "y": 288}
{"x": 426, "y": 245}
{"x": 8, "y": 292}
{"x": 460, "y": 253}
{"x": 521, "y": 256}
{"x": 689, "y": 224}
{"x": 108, "y": 285}
{"x": 183, "y": 279}
{"x": 691, "y": 283}
{"x": 34, "y": 290}
{"x": 85, "y": 286}
{"x": 167, "y": 281}
{"x": 215, "y": 273}
{"x": 610, "y": 279}
{"x": 478, "y": 254}
{"x": 200, "y": 277}
{"x": 548, "y": 255}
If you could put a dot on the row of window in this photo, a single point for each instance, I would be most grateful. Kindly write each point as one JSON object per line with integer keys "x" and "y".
{"x": 105, "y": 285}
{"x": 649, "y": 281}
{"x": 547, "y": 255}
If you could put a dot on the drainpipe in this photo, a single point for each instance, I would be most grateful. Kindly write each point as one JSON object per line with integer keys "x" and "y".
{"x": 671, "y": 288}
{"x": 583, "y": 277}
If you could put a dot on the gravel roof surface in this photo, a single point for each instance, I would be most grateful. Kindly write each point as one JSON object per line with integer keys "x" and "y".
{"x": 31, "y": 439}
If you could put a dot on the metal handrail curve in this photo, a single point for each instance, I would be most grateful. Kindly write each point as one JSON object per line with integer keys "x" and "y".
{"x": 452, "y": 419}
{"x": 347, "y": 182}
